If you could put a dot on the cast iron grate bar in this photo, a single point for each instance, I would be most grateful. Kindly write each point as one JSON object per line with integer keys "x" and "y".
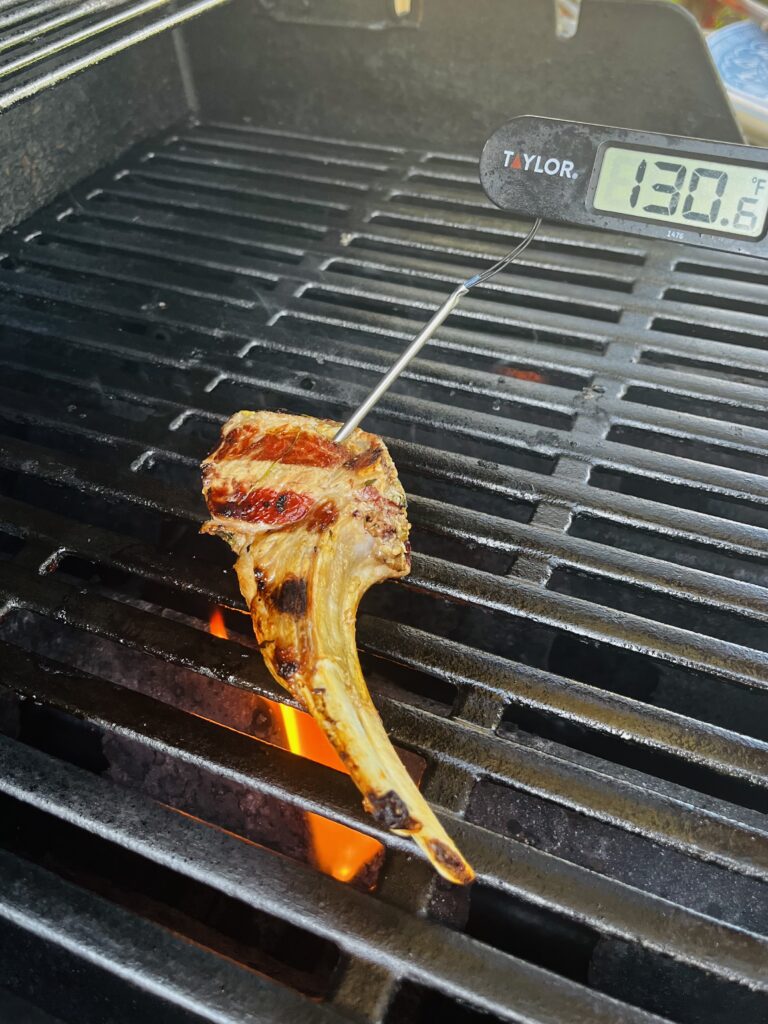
{"x": 44, "y": 42}
{"x": 579, "y": 657}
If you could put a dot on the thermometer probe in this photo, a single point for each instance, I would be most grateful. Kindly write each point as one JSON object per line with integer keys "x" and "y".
{"x": 694, "y": 191}
{"x": 419, "y": 342}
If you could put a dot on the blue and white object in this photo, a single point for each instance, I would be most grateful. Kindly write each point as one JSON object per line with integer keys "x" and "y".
{"x": 740, "y": 52}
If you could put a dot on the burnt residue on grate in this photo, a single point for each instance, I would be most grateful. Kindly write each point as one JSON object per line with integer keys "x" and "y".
{"x": 576, "y": 668}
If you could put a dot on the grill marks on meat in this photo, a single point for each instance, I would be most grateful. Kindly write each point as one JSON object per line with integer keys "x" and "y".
{"x": 289, "y": 445}
{"x": 259, "y": 505}
{"x": 314, "y": 524}
{"x": 322, "y": 516}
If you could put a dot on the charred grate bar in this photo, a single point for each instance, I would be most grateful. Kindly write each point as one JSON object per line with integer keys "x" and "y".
{"x": 579, "y": 659}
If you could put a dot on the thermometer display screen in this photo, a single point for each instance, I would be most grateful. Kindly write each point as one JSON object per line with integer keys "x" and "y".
{"x": 704, "y": 195}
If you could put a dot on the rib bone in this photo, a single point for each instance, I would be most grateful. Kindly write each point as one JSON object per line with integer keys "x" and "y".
{"x": 314, "y": 524}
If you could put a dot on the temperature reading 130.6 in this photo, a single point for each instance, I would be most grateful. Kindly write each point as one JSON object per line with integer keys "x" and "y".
{"x": 700, "y": 194}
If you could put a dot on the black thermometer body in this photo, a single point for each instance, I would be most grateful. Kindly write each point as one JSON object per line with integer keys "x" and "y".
{"x": 694, "y": 191}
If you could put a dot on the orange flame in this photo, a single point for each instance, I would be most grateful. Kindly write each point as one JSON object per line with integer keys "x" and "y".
{"x": 216, "y": 624}
{"x": 337, "y": 850}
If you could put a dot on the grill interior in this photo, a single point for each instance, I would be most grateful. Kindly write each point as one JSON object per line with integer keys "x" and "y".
{"x": 578, "y": 660}
{"x": 44, "y": 42}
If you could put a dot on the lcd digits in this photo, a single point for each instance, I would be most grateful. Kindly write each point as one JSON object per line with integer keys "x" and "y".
{"x": 700, "y": 194}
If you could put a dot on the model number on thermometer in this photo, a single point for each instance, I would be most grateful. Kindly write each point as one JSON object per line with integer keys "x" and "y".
{"x": 689, "y": 191}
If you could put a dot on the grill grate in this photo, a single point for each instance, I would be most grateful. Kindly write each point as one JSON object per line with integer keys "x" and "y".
{"x": 579, "y": 656}
{"x": 43, "y": 42}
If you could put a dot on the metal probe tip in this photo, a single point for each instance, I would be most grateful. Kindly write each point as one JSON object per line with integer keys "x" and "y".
{"x": 418, "y": 343}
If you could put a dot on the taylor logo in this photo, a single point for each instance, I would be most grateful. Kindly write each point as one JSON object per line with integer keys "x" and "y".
{"x": 538, "y": 165}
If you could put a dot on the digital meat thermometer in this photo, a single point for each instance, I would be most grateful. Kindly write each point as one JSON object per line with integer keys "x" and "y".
{"x": 710, "y": 194}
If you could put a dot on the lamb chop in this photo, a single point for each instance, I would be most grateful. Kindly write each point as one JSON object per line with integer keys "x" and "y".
{"x": 314, "y": 524}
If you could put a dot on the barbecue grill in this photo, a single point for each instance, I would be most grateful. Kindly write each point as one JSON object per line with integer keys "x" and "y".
{"x": 576, "y": 668}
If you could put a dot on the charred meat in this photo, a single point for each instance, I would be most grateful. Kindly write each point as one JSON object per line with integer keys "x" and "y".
{"x": 314, "y": 524}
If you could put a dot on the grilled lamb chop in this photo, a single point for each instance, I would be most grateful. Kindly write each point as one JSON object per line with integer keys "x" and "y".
{"x": 314, "y": 524}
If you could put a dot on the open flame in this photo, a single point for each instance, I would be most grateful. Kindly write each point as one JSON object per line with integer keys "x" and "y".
{"x": 336, "y": 849}
{"x": 216, "y": 624}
